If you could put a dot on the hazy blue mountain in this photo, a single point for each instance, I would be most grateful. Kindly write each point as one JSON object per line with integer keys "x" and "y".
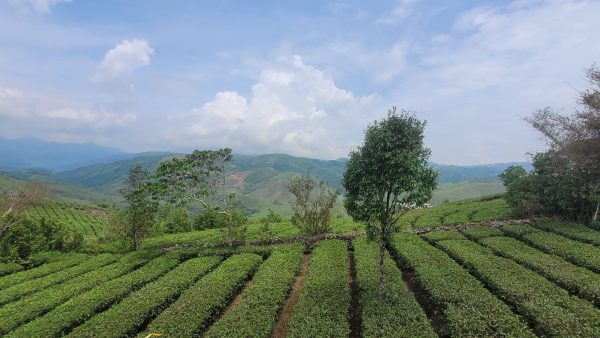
{"x": 25, "y": 153}
{"x": 261, "y": 180}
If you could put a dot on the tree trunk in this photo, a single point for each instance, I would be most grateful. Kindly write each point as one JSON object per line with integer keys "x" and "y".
{"x": 596, "y": 213}
{"x": 381, "y": 268}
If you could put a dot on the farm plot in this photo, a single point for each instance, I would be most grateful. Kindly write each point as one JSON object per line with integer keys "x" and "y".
{"x": 439, "y": 283}
{"x": 551, "y": 310}
{"x": 87, "y": 220}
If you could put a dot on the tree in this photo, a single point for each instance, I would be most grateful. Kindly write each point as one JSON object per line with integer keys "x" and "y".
{"x": 199, "y": 177}
{"x": 387, "y": 176}
{"x": 313, "y": 203}
{"x": 577, "y": 136}
{"x": 140, "y": 210}
{"x": 12, "y": 204}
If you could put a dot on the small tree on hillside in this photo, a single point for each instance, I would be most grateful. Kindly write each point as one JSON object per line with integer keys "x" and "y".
{"x": 12, "y": 204}
{"x": 313, "y": 204}
{"x": 200, "y": 178}
{"x": 140, "y": 210}
{"x": 387, "y": 176}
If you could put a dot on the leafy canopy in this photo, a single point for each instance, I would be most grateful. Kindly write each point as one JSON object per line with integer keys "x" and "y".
{"x": 388, "y": 174}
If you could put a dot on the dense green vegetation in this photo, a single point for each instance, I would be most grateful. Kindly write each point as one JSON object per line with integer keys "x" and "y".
{"x": 467, "y": 307}
{"x": 325, "y": 296}
{"x": 552, "y": 309}
{"x": 396, "y": 315}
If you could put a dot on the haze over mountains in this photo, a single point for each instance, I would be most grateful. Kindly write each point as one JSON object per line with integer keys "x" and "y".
{"x": 260, "y": 180}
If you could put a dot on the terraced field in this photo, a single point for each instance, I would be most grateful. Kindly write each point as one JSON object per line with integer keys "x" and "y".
{"x": 87, "y": 220}
{"x": 518, "y": 280}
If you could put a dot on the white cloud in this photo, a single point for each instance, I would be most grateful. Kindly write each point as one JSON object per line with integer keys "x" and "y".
{"x": 41, "y": 6}
{"x": 500, "y": 64}
{"x": 399, "y": 13}
{"x": 293, "y": 108}
{"x": 18, "y": 108}
{"x": 124, "y": 59}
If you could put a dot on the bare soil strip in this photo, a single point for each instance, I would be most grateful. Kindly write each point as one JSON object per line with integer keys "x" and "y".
{"x": 355, "y": 310}
{"x": 281, "y": 328}
{"x": 238, "y": 298}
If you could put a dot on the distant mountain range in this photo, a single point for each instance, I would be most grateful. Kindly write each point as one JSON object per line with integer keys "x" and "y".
{"x": 260, "y": 180}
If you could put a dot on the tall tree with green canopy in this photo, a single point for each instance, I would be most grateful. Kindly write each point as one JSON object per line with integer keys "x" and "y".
{"x": 577, "y": 136}
{"x": 387, "y": 176}
{"x": 199, "y": 178}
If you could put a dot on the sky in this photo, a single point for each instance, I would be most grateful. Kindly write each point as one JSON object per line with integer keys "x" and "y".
{"x": 299, "y": 77}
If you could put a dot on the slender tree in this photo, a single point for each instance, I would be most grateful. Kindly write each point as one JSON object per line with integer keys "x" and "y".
{"x": 387, "y": 176}
{"x": 140, "y": 210}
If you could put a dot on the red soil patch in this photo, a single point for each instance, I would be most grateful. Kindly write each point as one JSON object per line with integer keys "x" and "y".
{"x": 281, "y": 328}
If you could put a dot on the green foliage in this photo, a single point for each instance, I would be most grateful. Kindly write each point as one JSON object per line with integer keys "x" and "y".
{"x": 435, "y": 236}
{"x": 126, "y": 317}
{"x": 314, "y": 201}
{"x": 84, "y": 306}
{"x": 322, "y": 309}
{"x": 552, "y": 309}
{"x": 8, "y": 268}
{"x": 27, "y": 308}
{"x": 26, "y": 237}
{"x": 468, "y": 308}
{"x": 519, "y": 230}
{"x": 583, "y": 254}
{"x": 40, "y": 271}
{"x": 88, "y": 221}
{"x": 575, "y": 279}
{"x": 574, "y": 231}
{"x": 258, "y": 310}
{"x": 177, "y": 220}
{"x": 462, "y": 212}
{"x": 141, "y": 208}
{"x": 388, "y": 174}
{"x": 482, "y": 232}
{"x": 28, "y": 287}
{"x": 555, "y": 188}
{"x": 208, "y": 219}
{"x": 396, "y": 315}
{"x": 205, "y": 299}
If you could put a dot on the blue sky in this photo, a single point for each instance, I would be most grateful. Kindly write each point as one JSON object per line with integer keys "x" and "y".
{"x": 299, "y": 77}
